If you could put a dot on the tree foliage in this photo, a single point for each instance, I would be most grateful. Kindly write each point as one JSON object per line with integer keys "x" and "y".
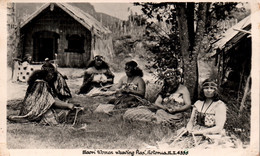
{"x": 164, "y": 41}
{"x": 204, "y": 28}
{"x": 163, "y": 36}
{"x": 161, "y": 33}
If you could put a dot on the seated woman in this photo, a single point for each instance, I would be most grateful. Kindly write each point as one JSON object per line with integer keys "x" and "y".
{"x": 41, "y": 101}
{"x": 61, "y": 88}
{"x": 129, "y": 92}
{"x": 171, "y": 103}
{"x": 97, "y": 75}
{"x": 25, "y": 69}
{"x": 131, "y": 88}
{"x": 209, "y": 113}
{"x": 173, "y": 100}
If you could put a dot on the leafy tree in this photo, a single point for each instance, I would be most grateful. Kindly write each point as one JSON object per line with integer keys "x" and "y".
{"x": 138, "y": 20}
{"x": 193, "y": 28}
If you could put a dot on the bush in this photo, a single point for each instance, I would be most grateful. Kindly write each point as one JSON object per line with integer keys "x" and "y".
{"x": 237, "y": 124}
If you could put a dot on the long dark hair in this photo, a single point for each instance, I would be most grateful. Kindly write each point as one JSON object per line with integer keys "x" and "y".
{"x": 104, "y": 65}
{"x": 135, "y": 71}
{"x": 42, "y": 75}
{"x": 216, "y": 96}
{"x": 169, "y": 88}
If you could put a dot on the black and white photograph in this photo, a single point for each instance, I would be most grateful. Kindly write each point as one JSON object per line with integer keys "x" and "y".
{"x": 130, "y": 78}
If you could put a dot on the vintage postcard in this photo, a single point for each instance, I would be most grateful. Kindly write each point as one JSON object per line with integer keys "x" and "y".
{"x": 129, "y": 78}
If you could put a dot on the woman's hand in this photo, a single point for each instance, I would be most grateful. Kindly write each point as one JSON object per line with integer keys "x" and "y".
{"x": 158, "y": 103}
{"x": 172, "y": 110}
{"x": 97, "y": 78}
{"x": 97, "y": 81}
{"x": 189, "y": 127}
{"x": 109, "y": 80}
{"x": 126, "y": 90}
{"x": 196, "y": 132}
{"x": 119, "y": 90}
{"x": 104, "y": 80}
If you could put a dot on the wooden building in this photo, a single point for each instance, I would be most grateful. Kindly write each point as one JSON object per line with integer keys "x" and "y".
{"x": 66, "y": 33}
{"x": 232, "y": 53}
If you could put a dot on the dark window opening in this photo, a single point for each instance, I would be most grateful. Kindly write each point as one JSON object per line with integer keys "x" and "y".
{"x": 75, "y": 43}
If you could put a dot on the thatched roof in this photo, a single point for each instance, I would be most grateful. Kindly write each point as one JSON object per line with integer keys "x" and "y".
{"x": 233, "y": 35}
{"x": 82, "y": 17}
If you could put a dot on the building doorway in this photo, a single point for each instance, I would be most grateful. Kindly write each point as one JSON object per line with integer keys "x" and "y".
{"x": 45, "y": 45}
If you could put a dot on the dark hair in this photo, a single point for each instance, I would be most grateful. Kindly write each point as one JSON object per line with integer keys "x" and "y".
{"x": 104, "y": 65}
{"x": 48, "y": 67}
{"x": 171, "y": 62}
{"x": 171, "y": 73}
{"x": 135, "y": 71}
{"x": 169, "y": 88}
{"x": 42, "y": 75}
{"x": 99, "y": 57}
{"x": 131, "y": 64}
{"x": 26, "y": 57}
{"x": 216, "y": 96}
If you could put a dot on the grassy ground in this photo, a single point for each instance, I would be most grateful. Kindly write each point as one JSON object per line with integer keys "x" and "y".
{"x": 238, "y": 124}
{"x": 101, "y": 131}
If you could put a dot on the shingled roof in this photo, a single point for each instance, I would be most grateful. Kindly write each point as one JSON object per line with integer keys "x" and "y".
{"x": 82, "y": 17}
{"x": 232, "y": 36}
{"x": 234, "y": 31}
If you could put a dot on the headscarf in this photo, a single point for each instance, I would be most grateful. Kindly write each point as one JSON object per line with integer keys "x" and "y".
{"x": 104, "y": 65}
{"x": 99, "y": 58}
{"x": 170, "y": 88}
{"x": 170, "y": 73}
{"x": 47, "y": 65}
{"x": 210, "y": 84}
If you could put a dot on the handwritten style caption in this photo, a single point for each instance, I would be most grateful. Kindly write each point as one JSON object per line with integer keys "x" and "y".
{"x": 134, "y": 152}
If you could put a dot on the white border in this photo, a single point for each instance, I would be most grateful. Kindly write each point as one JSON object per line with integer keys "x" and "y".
{"x": 254, "y": 143}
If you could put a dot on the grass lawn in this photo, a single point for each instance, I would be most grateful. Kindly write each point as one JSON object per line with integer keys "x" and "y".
{"x": 101, "y": 131}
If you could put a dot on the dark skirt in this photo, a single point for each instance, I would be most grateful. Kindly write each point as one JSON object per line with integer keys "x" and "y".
{"x": 128, "y": 101}
{"x": 88, "y": 85}
{"x": 121, "y": 103}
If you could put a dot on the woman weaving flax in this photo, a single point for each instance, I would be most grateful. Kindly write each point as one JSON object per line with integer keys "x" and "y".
{"x": 42, "y": 104}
